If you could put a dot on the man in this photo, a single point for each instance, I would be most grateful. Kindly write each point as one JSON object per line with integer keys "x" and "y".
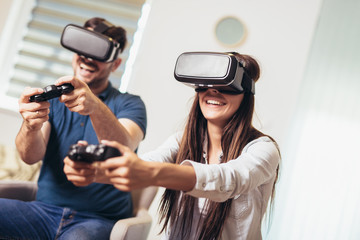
{"x": 93, "y": 111}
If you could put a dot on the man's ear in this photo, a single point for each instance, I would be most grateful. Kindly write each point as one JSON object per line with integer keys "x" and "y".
{"x": 116, "y": 64}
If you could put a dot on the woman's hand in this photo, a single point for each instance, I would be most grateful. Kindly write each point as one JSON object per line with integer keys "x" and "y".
{"x": 128, "y": 171}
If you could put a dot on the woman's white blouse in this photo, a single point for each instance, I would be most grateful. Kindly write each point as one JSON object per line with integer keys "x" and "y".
{"x": 247, "y": 179}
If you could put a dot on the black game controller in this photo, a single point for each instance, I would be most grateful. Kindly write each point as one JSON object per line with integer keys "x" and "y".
{"x": 91, "y": 153}
{"x": 52, "y": 91}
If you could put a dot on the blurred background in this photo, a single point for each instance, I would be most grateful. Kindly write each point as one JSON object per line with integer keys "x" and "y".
{"x": 307, "y": 97}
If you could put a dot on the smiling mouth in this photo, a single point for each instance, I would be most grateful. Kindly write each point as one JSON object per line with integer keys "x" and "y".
{"x": 91, "y": 69}
{"x": 214, "y": 102}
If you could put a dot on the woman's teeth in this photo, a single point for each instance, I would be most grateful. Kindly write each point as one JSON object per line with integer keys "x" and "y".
{"x": 213, "y": 102}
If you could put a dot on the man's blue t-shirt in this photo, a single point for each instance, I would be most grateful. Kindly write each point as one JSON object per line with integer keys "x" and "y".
{"x": 68, "y": 128}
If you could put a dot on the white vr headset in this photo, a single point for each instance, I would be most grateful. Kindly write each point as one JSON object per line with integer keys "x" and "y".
{"x": 91, "y": 44}
{"x": 221, "y": 71}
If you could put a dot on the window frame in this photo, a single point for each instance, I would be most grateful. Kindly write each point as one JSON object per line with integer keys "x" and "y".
{"x": 18, "y": 17}
{"x": 21, "y": 14}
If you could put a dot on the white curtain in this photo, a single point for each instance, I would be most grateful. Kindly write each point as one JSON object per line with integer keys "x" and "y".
{"x": 319, "y": 189}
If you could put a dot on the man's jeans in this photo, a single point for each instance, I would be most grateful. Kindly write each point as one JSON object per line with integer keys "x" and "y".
{"x": 36, "y": 220}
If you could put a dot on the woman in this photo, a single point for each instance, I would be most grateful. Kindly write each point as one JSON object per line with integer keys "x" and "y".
{"x": 224, "y": 173}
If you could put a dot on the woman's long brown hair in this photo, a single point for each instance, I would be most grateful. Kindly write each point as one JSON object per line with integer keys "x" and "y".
{"x": 238, "y": 132}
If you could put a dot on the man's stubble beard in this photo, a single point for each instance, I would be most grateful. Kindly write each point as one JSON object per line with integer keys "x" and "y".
{"x": 95, "y": 82}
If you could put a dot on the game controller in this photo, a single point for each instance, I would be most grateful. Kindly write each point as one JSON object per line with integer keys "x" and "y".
{"x": 52, "y": 91}
{"x": 91, "y": 153}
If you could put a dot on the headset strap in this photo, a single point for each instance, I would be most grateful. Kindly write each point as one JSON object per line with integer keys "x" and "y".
{"x": 103, "y": 26}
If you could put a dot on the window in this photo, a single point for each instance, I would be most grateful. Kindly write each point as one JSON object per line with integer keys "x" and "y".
{"x": 34, "y": 57}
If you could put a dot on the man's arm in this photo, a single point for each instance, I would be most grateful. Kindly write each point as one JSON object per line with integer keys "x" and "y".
{"x": 105, "y": 123}
{"x": 107, "y": 126}
{"x": 33, "y": 136}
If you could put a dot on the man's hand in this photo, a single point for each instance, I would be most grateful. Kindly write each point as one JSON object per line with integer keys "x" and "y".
{"x": 33, "y": 113}
{"x": 79, "y": 173}
{"x": 81, "y": 100}
{"x": 82, "y": 173}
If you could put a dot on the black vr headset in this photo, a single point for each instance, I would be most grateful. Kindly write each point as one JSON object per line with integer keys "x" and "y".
{"x": 221, "y": 71}
{"x": 91, "y": 44}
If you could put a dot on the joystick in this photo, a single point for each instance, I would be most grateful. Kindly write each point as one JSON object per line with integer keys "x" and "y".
{"x": 91, "y": 153}
{"x": 52, "y": 91}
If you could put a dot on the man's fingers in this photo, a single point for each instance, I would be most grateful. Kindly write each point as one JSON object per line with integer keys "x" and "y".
{"x": 28, "y": 92}
{"x": 65, "y": 79}
{"x": 78, "y": 165}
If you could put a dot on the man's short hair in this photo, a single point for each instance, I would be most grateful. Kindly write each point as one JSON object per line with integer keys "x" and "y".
{"x": 115, "y": 32}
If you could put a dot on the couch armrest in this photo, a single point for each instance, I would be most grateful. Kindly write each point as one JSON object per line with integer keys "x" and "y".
{"x": 20, "y": 190}
{"x": 132, "y": 228}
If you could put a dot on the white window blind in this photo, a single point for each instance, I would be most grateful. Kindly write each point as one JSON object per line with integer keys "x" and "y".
{"x": 40, "y": 59}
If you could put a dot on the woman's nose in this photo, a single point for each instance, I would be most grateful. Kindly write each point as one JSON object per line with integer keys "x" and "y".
{"x": 214, "y": 90}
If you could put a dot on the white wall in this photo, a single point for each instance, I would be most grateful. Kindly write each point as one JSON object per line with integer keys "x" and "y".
{"x": 4, "y": 7}
{"x": 279, "y": 34}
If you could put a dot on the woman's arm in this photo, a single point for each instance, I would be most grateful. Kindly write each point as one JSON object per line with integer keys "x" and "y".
{"x": 254, "y": 167}
{"x": 129, "y": 172}
{"x": 83, "y": 174}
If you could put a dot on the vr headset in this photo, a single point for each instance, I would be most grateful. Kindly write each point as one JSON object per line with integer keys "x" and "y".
{"x": 221, "y": 71}
{"x": 90, "y": 44}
